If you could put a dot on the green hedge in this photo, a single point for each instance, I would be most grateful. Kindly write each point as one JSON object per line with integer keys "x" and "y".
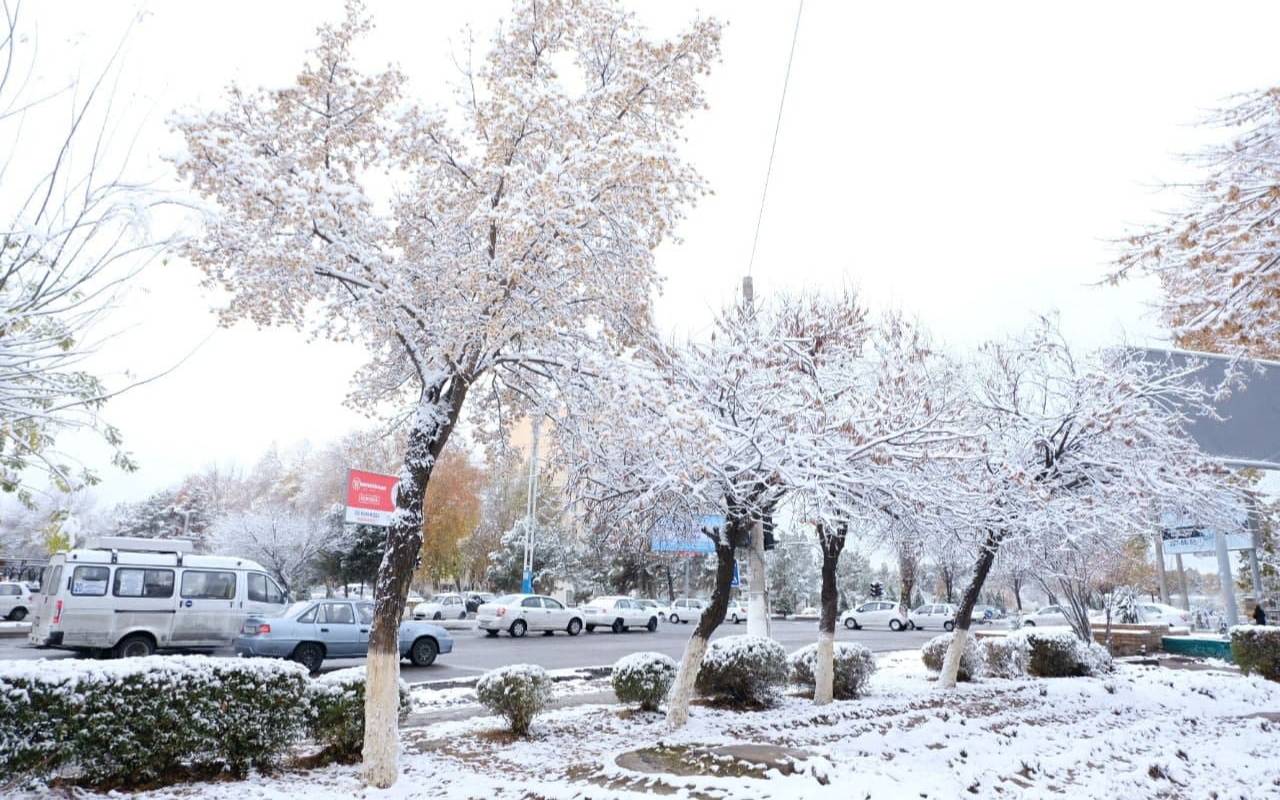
{"x": 519, "y": 692}
{"x": 336, "y": 718}
{"x": 1061, "y": 654}
{"x": 852, "y": 663}
{"x": 743, "y": 671}
{"x": 1256, "y": 649}
{"x": 138, "y": 721}
{"x": 643, "y": 678}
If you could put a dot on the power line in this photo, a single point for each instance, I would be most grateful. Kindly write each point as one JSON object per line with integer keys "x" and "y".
{"x": 755, "y": 240}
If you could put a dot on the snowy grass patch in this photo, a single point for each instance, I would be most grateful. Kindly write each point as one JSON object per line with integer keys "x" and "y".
{"x": 1140, "y": 732}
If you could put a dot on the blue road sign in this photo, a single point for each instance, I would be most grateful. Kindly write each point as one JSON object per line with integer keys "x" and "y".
{"x": 526, "y": 584}
{"x": 737, "y": 581}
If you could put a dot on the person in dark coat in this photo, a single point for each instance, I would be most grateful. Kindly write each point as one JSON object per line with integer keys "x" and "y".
{"x": 1259, "y": 616}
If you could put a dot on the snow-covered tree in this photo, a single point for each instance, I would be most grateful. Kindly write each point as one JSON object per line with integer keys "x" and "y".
{"x": 289, "y": 545}
{"x": 1219, "y": 259}
{"x": 477, "y": 250}
{"x": 73, "y": 231}
{"x": 1078, "y": 451}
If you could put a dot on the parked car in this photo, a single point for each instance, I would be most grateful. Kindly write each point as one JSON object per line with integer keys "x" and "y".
{"x": 314, "y": 630}
{"x": 736, "y": 612}
{"x": 477, "y": 599}
{"x": 1157, "y": 613}
{"x": 15, "y": 600}
{"x": 1050, "y": 616}
{"x": 442, "y": 606}
{"x": 987, "y": 615}
{"x": 652, "y": 606}
{"x": 687, "y": 609}
{"x": 618, "y": 614}
{"x": 518, "y": 614}
{"x": 876, "y": 614}
{"x": 933, "y": 615}
{"x": 129, "y": 596}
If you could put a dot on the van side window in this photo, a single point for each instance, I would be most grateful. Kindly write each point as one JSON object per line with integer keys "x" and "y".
{"x": 90, "y": 581}
{"x": 264, "y": 590}
{"x": 209, "y": 585}
{"x": 130, "y": 582}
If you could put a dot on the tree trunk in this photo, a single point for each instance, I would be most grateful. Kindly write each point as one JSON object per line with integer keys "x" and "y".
{"x": 433, "y": 422}
{"x": 964, "y": 614}
{"x": 671, "y": 586}
{"x": 832, "y": 545}
{"x": 907, "y": 562}
{"x": 1016, "y": 585}
{"x": 691, "y": 661}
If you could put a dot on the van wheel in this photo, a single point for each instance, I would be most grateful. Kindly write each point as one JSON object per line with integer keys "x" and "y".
{"x": 18, "y": 614}
{"x": 423, "y": 653}
{"x": 653, "y": 625}
{"x": 309, "y": 655}
{"x": 137, "y": 645}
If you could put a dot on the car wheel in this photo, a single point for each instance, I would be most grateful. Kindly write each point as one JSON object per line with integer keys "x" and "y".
{"x": 309, "y": 655}
{"x": 18, "y": 614}
{"x": 851, "y": 624}
{"x": 591, "y": 629}
{"x": 518, "y": 628}
{"x": 652, "y": 627}
{"x": 462, "y": 614}
{"x": 424, "y": 652}
{"x": 136, "y": 646}
{"x": 436, "y": 616}
{"x": 618, "y": 627}
{"x": 911, "y": 626}
{"x": 575, "y": 627}
{"x": 674, "y": 619}
{"x": 1028, "y": 624}
{"x": 490, "y": 634}
{"x": 948, "y": 626}
{"x": 895, "y": 625}
{"x": 734, "y": 619}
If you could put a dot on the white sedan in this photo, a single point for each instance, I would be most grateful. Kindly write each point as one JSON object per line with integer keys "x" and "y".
{"x": 517, "y": 614}
{"x": 442, "y": 606}
{"x": 737, "y": 612}
{"x": 15, "y": 600}
{"x": 876, "y": 614}
{"x": 1159, "y": 613}
{"x": 1049, "y": 616}
{"x": 618, "y": 614}
{"x": 687, "y": 610}
{"x": 933, "y": 615}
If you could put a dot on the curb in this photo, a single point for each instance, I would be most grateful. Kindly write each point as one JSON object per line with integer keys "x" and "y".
{"x": 14, "y": 633}
{"x": 557, "y": 676}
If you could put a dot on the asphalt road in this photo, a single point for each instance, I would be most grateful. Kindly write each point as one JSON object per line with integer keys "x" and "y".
{"x": 474, "y": 653}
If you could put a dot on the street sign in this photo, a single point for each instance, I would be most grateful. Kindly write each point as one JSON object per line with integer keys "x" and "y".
{"x": 370, "y": 498}
{"x": 526, "y": 582}
{"x": 683, "y": 535}
{"x": 1185, "y": 541}
{"x": 737, "y": 579}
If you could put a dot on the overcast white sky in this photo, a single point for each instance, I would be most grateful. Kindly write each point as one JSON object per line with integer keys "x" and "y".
{"x": 967, "y": 164}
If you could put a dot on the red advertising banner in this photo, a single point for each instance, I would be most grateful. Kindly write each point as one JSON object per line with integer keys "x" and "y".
{"x": 370, "y": 497}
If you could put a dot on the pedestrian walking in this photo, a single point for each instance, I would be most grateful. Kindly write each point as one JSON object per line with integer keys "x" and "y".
{"x": 1259, "y": 616}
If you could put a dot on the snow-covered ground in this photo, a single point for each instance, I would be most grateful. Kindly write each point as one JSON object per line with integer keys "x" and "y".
{"x": 1143, "y": 732}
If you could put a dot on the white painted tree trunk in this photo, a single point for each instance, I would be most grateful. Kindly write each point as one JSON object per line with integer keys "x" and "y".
{"x": 682, "y": 688}
{"x": 824, "y": 672}
{"x": 758, "y": 593}
{"x": 951, "y": 664}
{"x": 381, "y": 719}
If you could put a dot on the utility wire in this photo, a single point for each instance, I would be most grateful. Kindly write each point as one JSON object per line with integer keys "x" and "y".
{"x": 755, "y": 240}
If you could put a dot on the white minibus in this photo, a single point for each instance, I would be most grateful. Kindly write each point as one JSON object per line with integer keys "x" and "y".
{"x": 125, "y": 596}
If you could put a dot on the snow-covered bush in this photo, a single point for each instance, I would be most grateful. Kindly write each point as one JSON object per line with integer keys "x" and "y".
{"x": 336, "y": 712}
{"x": 854, "y": 664}
{"x": 139, "y": 720}
{"x": 972, "y": 661}
{"x": 1061, "y": 654}
{"x": 1256, "y": 649}
{"x": 743, "y": 670}
{"x": 643, "y": 678}
{"x": 518, "y": 692}
{"x": 1005, "y": 656}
